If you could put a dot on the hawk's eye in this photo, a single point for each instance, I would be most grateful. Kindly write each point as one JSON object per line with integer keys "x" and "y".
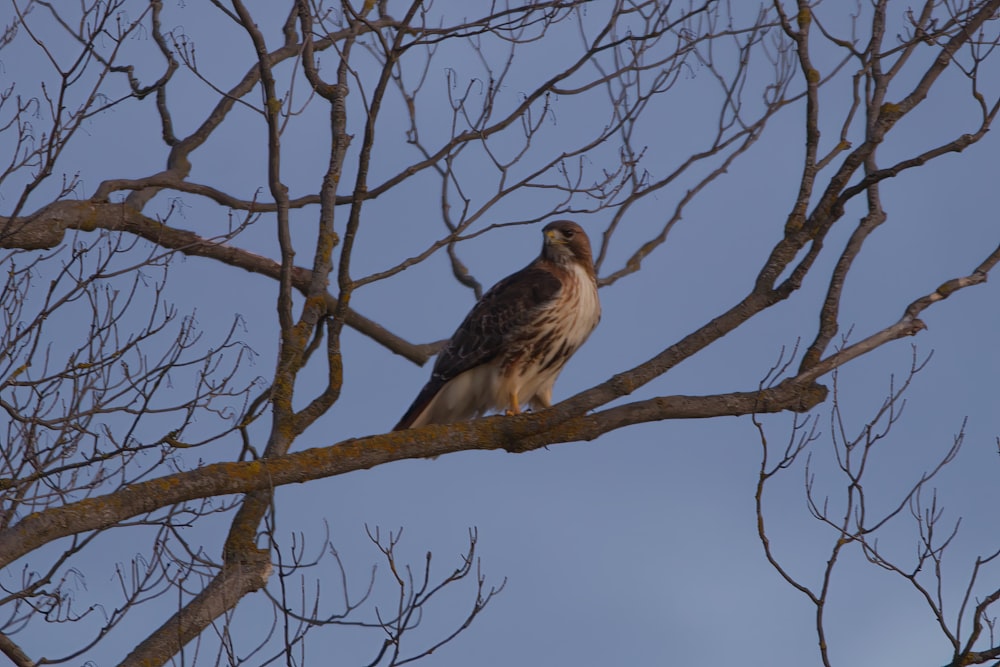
{"x": 568, "y": 233}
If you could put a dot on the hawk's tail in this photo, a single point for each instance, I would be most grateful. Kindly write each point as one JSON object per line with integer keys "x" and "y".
{"x": 412, "y": 417}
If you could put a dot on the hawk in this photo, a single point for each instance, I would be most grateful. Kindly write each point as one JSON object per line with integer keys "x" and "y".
{"x": 512, "y": 345}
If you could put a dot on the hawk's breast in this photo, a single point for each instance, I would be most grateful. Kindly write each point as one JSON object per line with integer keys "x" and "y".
{"x": 530, "y": 366}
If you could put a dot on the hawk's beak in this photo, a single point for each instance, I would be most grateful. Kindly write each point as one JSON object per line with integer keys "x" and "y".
{"x": 552, "y": 236}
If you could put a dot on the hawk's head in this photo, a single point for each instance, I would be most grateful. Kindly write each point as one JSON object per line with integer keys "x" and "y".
{"x": 566, "y": 242}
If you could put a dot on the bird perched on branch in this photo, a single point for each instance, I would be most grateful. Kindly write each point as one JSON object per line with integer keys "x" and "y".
{"x": 510, "y": 348}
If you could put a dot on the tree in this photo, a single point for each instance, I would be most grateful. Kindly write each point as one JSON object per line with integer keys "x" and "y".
{"x": 148, "y": 141}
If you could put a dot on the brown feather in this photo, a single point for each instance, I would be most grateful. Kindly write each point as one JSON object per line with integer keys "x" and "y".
{"x": 517, "y": 338}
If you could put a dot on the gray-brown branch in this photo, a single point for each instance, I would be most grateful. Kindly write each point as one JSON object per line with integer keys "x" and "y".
{"x": 47, "y": 228}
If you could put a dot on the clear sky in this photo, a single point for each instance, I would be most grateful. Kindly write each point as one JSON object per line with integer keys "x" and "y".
{"x": 639, "y": 548}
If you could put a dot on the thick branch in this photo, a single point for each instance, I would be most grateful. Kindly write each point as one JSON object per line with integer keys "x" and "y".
{"x": 231, "y": 585}
{"x": 14, "y": 653}
{"x": 517, "y": 434}
{"x": 47, "y": 227}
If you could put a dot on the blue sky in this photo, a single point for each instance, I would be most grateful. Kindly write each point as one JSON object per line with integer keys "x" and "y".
{"x": 640, "y": 547}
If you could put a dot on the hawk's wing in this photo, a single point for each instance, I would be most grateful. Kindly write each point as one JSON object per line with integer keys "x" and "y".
{"x": 506, "y": 308}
